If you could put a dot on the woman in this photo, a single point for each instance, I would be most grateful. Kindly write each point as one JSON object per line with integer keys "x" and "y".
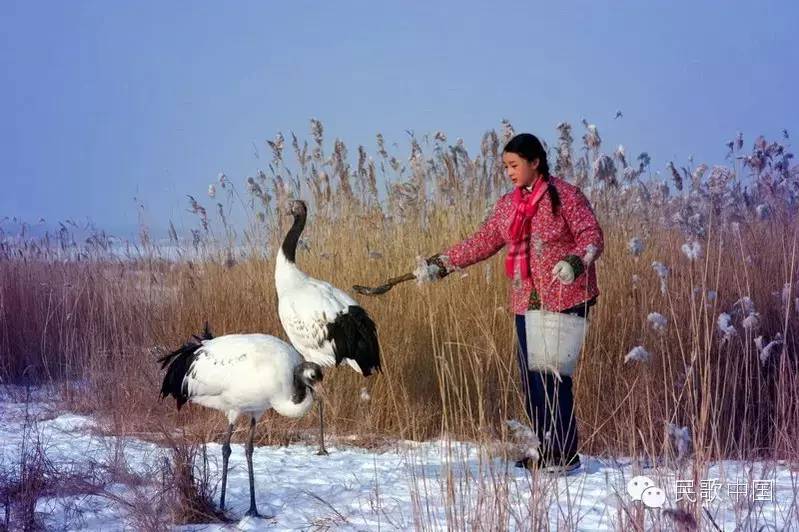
{"x": 553, "y": 239}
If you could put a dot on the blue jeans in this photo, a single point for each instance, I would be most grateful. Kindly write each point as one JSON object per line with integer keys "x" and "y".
{"x": 549, "y": 403}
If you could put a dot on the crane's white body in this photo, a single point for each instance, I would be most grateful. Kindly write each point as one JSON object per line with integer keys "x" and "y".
{"x": 326, "y": 325}
{"x": 306, "y": 308}
{"x": 240, "y": 374}
{"x": 246, "y": 374}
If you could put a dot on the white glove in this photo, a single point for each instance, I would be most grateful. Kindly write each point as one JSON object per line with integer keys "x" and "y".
{"x": 564, "y": 272}
{"x": 430, "y": 270}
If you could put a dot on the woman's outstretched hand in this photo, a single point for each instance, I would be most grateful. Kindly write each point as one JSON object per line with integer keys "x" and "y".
{"x": 441, "y": 268}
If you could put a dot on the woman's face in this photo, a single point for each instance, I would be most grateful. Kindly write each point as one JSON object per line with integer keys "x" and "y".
{"x": 521, "y": 172}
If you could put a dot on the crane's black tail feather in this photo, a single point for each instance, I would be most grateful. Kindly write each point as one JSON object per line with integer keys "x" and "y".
{"x": 355, "y": 337}
{"x": 177, "y": 365}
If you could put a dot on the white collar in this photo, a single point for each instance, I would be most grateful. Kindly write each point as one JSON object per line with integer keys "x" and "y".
{"x": 529, "y": 188}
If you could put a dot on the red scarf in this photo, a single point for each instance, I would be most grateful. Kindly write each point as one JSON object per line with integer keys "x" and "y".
{"x": 525, "y": 205}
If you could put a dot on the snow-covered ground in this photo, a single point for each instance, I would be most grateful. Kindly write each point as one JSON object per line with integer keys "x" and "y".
{"x": 431, "y": 485}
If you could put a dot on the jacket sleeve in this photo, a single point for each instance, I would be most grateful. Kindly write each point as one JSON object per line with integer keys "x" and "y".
{"x": 589, "y": 241}
{"x": 485, "y": 242}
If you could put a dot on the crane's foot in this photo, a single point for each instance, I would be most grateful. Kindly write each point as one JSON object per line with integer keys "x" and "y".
{"x": 253, "y": 512}
{"x": 322, "y": 452}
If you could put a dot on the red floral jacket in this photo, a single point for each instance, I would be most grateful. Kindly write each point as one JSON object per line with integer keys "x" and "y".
{"x": 573, "y": 234}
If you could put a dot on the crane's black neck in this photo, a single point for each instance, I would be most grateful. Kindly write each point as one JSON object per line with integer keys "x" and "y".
{"x": 292, "y": 237}
{"x": 300, "y": 390}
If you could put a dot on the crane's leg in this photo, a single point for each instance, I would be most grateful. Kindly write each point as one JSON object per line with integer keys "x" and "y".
{"x": 225, "y": 456}
{"x": 322, "y": 450}
{"x": 253, "y": 511}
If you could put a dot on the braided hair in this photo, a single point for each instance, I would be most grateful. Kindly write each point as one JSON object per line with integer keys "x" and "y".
{"x": 528, "y": 147}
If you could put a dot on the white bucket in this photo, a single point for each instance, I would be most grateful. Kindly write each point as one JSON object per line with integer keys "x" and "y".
{"x": 554, "y": 341}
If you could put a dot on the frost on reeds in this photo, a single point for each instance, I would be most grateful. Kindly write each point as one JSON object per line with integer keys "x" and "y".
{"x": 605, "y": 171}
{"x": 726, "y": 327}
{"x": 620, "y": 156}
{"x": 637, "y": 354}
{"x": 719, "y": 180}
{"x": 657, "y": 321}
{"x": 663, "y": 274}
{"x": 774, "y": 347}
{"x": 525, "y": 437}
{"x": 692, "y": 250}
{"x": 630, "y": 174}
{"x": 744, "y": 306}
{"x": 690, "y": 218}
{"x": 591, "y": 138}
{"x": 680, "y": 439}
{"x": 697, "y": 175}
{"x": 636, "y": 246}
{"x": 751, "y": 322}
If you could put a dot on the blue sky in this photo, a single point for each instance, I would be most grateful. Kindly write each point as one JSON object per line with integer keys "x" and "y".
{"x": 104, "y": 101}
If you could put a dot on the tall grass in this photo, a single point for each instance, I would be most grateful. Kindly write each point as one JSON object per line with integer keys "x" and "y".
{"x": 94, "y": 316}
